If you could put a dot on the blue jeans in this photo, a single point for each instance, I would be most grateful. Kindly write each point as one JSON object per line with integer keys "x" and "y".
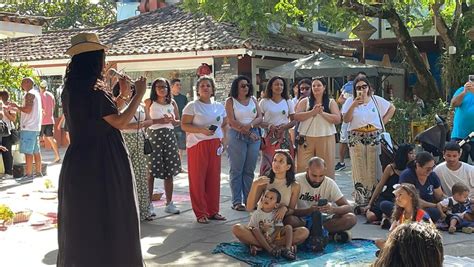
{"x": 243, "y": 154}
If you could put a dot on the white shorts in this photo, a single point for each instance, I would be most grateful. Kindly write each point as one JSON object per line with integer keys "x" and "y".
{"x": 344, "y": 133}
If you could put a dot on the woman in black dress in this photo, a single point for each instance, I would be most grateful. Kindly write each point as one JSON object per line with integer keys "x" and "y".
{"x": 97, "y": 215}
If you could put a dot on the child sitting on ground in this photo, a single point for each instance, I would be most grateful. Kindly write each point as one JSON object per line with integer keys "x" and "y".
{"x": 407, "y": 209}
{"x": 456, "y": 210}
{"x": 267, "y": 232}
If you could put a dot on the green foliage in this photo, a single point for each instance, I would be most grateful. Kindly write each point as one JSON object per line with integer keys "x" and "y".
{"x": 409, "y": 113}
{"x": 6, "y": 213}
{"x": 70, "y": 14}
{"x": 11, "y": 76}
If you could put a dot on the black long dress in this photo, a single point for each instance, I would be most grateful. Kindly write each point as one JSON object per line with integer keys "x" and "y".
{"x": 98, "y": 221}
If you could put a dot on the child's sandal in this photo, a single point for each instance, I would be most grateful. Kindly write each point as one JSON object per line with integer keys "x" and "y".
{"x": 275, "y": 252}
{"x": 288, "y": 254}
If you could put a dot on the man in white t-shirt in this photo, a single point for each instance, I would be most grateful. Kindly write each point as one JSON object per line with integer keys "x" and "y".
{"x": 317, "y": 195}
{"x": 453, "y": 170}
{"x": 30, "y": 126}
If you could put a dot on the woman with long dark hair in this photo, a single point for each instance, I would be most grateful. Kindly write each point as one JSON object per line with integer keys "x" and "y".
{"x": 278, "y": 114}
{"x": 164, "y": 162}
{"x": 420, "y": 173}
{"x": 366, "y": 114}
{"x": 98, "y": 221}
{"x": 244, "y": 115}
{"x": 381, "y": 203}
{"x": 282, "y": 178}
{"x": 318, "y": 115}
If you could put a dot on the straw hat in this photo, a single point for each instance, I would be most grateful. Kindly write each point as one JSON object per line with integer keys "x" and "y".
{"x": 85, "y": 42}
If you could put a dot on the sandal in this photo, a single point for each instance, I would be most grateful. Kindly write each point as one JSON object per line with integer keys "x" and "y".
{"x": 217, "y": 217}
{"x": 276, "y": 252}
{"x": 288, "y": 254}
{"x": 238, "y": 207}
{"x": 203, "y": 220}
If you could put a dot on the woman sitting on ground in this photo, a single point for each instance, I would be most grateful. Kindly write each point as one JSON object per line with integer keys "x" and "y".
{"x": 381, "y": 203}
{"x": 282, "y": 178}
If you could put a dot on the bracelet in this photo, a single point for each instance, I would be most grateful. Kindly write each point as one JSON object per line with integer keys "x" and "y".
{"x": 124, "y": 97}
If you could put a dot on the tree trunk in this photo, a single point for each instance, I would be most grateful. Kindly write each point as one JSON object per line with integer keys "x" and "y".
{"x": 426, "y": 82}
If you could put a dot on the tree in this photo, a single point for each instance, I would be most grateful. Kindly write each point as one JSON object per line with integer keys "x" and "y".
{"x": 68, "y": 14}
{"x": 402, "y": 15}
{"x": 11, "y": 76}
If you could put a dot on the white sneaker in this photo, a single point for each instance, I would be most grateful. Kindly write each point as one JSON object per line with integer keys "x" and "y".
{"x": 171, "y": 208}
{"x": 151, "y": 210}
{"x": 8, "y": 176}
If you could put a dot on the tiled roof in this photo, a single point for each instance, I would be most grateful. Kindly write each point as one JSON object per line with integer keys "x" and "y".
{"x": 166, "y": 30}
{"x": 33, "y": 20}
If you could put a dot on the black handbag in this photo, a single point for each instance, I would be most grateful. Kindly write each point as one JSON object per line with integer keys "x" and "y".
{"x": 147, "y": 148}
{"x": 15, "y": 135}
{"x": 4, "y": 131}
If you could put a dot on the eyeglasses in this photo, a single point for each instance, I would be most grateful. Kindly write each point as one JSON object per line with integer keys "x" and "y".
{"x": 362, "y": 87}
{"x": 304, "y": 88}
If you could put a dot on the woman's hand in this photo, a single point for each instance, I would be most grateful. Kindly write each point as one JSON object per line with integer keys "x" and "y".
{"x": 357, "y": 101}
{"x": 280, "y": 214}
{"x": 262, "y": 181}
{"x": 146, "y": 123}
{"x": 140, "y": 86}
{"x": 206, "y": 131}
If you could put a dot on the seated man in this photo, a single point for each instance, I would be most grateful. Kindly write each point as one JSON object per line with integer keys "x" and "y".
{"x": 453, "y": 170}
{"x": 314, "y": 206}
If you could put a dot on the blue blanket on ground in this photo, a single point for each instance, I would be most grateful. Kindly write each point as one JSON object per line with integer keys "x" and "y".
{"x": 358, "y": 251}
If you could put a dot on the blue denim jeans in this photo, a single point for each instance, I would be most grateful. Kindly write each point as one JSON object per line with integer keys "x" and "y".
{"x": 243, "y": 155}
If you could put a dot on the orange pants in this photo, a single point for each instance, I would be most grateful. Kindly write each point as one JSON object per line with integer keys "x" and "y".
{"x": 204, "y": 173}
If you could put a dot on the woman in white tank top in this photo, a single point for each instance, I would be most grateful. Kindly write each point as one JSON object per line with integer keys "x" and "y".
{"x": 243, "y": 115}
{"x": 164, "y": 162}
{"x": 317, "y": 115}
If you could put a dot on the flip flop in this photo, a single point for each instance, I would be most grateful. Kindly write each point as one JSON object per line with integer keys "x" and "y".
{"x": 217, "y": 217}
{"x": 203, "y": 220}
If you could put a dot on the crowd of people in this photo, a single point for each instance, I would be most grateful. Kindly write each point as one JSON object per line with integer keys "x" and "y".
{"x": 127, "y": 144}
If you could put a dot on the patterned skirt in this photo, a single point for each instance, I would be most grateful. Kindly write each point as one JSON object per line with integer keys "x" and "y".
{"x": 163, "y": 162}
{"x": 364, "y": 149}
{"x": 134, "y": 143}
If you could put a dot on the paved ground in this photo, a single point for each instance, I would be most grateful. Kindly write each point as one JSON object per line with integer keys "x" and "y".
{"x": 171, "y": 239}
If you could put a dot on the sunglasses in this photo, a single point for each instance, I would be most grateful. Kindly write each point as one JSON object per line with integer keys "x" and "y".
{"x": 304, "y": 88}
{"x": 362, "y": 87}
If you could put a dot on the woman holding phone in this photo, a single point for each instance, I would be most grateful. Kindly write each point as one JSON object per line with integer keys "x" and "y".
{"x": 366, "y": 115}
{"x": 204, "y": 122}
{"x": 164, "y": 162}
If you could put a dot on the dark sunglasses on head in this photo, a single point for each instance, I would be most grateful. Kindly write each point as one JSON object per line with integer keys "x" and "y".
{"x": 362, "y": 87}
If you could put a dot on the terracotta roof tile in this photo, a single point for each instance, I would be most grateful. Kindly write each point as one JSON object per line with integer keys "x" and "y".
{"x": 166, "y": 30}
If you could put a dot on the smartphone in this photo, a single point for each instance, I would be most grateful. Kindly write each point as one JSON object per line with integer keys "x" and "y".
{"x": 213, "y": 128}
{"x": 471, "y": 78}
{"x": 322, "y": 202}
{"x": 359, "y": 93}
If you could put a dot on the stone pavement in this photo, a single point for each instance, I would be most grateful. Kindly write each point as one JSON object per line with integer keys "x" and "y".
{"x": 177, "y": 239}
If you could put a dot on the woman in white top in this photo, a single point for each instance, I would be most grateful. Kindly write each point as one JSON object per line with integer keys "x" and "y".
{"x": 164, "y": 162}
{"x": 366, "y": 115}
{"x": 9, "y": 116}
{"x": 204, "y": 122}
{"x": 317, "y": 115}
{"x": 244, "y": 139}
{"x": 278, "y": 111}
{"x": 134, "y": 140}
